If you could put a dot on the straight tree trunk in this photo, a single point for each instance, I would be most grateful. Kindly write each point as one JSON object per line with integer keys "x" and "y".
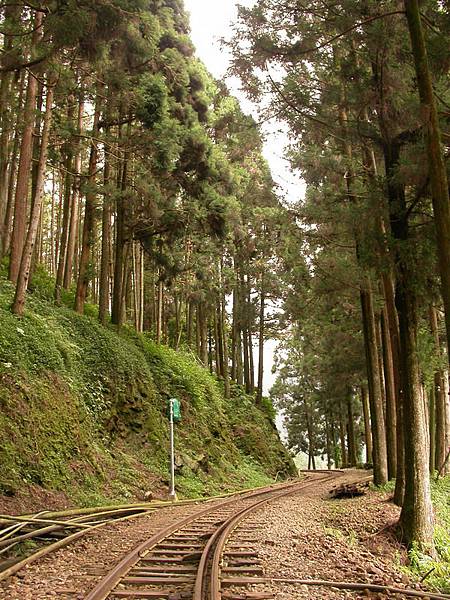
{"x": 73, "y": 221}
{"x": 104, "y": 295}
{"x": 218, "y": 339}
{"x": 65, "y": 220}
{"x": 310, "y": 431}
{"x": 9, "y": 214}
{"x": 24, "y": 270}
{"x": 24, "y": 169}
{"x": 367, "y": 428}
{"x": 262, "y": 305}
{"x": 189, "y": 322}
{"x": 344, "y": 456}
{"x": 226, "y": 374}
{"x": 416, "y": 519}
{"x": 352, "y": 457}
{"x": 159, "y": 316}
{"x": 437, "y": 168}
{"x": 439, "y": 417}
{"x": 234, "y": 335}
{"x": 432, "y": 428}
{"x": 375, "y": 399}
{"x": 380, "y": 471}
{"x": 120, "y": 244}
{"x": 11, "y": 15}
{"x": 328, "y": 444}
{"x": 89, "y": 221}
{"x": 391, "y": 415}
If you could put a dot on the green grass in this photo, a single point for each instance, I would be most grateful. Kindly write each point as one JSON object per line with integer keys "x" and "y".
{"x": 83, "y": 410}
{"x": 437, "y": 570}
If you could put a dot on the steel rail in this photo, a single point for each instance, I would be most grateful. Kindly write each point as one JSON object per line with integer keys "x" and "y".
{"x": 111, "y": 516}
{"x": 113, "y": 578}
{"x": 225, "y": 533}
{"x": 222, "y": 536}
{"x": 15, "y": 568}
{"x": 141, "y": 510}
{"x": 73, "y": 512}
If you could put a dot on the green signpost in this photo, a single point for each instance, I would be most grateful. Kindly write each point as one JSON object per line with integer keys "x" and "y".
{"x": 174, "y": 410}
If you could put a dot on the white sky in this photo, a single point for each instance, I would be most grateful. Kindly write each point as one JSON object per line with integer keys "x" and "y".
{"x": 210, "y": 21}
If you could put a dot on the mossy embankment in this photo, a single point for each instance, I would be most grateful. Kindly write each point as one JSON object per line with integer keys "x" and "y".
{"x": 83, "y": 414}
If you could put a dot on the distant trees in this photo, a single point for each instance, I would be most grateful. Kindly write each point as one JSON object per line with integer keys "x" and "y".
{"x": 374, "y": 223}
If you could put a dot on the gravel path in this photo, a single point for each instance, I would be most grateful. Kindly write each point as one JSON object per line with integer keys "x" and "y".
{"x": 308, "y": 536}
{"x": 305, "y": 536}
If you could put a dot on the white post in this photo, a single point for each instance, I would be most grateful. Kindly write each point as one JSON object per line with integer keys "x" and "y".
{"x": 172, "y": 493}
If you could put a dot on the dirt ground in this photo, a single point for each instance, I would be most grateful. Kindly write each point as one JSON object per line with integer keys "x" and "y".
{"x": 304, "y": 536}
{"x": 309, "y": 536}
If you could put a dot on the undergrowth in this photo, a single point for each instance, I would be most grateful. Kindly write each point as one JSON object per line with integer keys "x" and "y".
{"x": 436, "y": 570}
{"x": 83, "y": 411}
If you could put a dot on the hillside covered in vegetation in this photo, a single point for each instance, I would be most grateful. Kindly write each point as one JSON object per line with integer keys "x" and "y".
{"x": 83, "y": 411}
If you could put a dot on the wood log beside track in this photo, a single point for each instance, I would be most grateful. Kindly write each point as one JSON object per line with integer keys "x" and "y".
{"x": 350, "y": 490}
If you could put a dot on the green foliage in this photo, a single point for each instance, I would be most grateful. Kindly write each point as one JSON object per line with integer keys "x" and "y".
{"x": 83, "y": 410}
{"x": 438, "y": 569}
{"x": 153, "y": 104}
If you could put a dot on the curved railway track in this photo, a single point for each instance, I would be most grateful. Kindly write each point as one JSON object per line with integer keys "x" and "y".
{"x": 49, "y": 531}
{"x": 204, "y": 556}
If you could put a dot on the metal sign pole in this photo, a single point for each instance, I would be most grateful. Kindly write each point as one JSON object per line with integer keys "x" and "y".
{"x": 172, "y": 493}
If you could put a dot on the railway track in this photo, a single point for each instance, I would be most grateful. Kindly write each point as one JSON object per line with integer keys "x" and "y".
{"x": 48, "y": 532}
{"x": 207, "y": 555}
{"x": 27, "y": 538}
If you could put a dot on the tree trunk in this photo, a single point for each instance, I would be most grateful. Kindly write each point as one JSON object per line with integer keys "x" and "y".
{"x": 10, "y": 17}
{"x": 120, "y": 244}
{"x": 189, "y": 322}
{"x": 432, "y": 428}
{"x": 24, "y": 270}
{"x": 439, "y": 417}
{"x": 89, "y": 221}
{"x": 368, "y": 317}
{"x": 104, "y": 295}
{"x": 344, "y": 457}
{"x": 73, "y": 221}
{"x": 375, "y": 400}
{"x": 367, "y": 428}
{"x": 259, "y": 393}
{"x": 436, "y": 163}
{"x": 416, "y": 518}
{"x": 219, "y": 337}
{"x": 352, "y": 454}
{"x": 328, "y": 443}
{"x": 65, "y": 219}
{"x": 310, "y": 431}
{"x": 159, "y": 316}
{"x": 23, "y": 172}
{"x": 226, "y": 374}
{"x": 234, "y": 335}
{"x": 391, "y": 415}
{"x": 7, "y": 230}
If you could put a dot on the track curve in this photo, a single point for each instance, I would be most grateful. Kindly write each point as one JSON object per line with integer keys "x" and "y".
{"x": 183, "y": 560}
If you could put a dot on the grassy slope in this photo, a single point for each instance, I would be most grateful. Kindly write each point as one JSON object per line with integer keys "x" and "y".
{"x": 82, "y": 411}
{"x": 437, "y": 571}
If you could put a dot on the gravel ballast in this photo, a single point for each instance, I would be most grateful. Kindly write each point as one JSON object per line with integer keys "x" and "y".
{"x": 303, "y": 536}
